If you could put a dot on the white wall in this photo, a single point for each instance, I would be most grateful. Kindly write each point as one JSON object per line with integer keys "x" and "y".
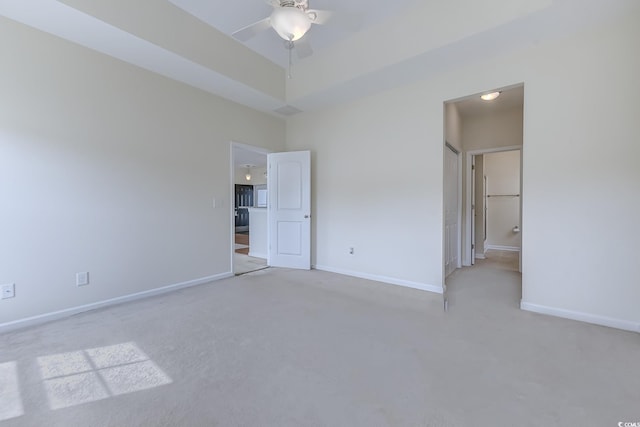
{"x": 109, "y": 169}
{"x": 377, "y": 185}
{"x": 493, "y": 130}
{"x": 578, "y": 146}
{"x": 453, "y": 126}
{"x": 503, "y": 213}
{"x": 580, "y": 139}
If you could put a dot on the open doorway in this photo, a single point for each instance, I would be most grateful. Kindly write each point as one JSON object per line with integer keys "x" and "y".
{"x": 249, "y": 227}
{"x": 489, "y": 134}
{"x": 271, "y": 209}
{"x": 493, "y": 210}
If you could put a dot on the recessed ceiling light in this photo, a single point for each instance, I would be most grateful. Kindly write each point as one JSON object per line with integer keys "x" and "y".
{"x": 490, "y": 96}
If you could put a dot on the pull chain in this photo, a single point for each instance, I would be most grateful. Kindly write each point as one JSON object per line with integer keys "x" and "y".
{"x": 290, "y": 47}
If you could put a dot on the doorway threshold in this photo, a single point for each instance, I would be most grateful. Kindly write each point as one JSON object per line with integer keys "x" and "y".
{"x": 251, "y": 271}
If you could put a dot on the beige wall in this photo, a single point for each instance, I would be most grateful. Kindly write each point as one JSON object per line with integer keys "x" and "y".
{"x": 109, "y": 169}
{"x": 503, "y": 213}
{"x": 580, "y": 136}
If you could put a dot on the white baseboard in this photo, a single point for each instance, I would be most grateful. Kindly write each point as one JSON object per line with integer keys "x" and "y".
{"x": 480, "y": 256}
{"x": 383, "y": 279}
{"x": 502, "y": 248}
{"x": 61, "y": 314}
{"x": 582, "y": 317}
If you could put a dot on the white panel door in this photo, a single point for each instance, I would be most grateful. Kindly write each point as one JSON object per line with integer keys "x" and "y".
{"x": 289, "y": 183}
{"x": 451, "y": 240}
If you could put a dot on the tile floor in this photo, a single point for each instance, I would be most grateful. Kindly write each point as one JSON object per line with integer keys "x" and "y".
{"x": 244, "y": 263}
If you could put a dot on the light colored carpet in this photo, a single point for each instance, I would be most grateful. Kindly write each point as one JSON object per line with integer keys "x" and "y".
{"x": 295, "y": 348}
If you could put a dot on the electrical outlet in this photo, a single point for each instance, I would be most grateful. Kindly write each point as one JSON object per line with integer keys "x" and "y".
{"x": 351, "y": 251}
{"x": 82, "y": 278}
{"x": 8, "y": 291}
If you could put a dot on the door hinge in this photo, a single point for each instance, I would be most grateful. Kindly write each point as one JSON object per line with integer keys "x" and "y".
{"x": 473, "y": 246}
{"x": 473, "y": 167}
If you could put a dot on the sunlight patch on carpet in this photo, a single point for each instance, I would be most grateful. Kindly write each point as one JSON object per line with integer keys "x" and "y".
{"x": 134, "y": 377}
{"x": 74, "y": 390}
{"x": 98, "y": 373}
{"x": 10, "y": 401}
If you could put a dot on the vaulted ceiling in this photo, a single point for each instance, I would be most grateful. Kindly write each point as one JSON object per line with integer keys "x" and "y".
{"x": 372, "y": 45}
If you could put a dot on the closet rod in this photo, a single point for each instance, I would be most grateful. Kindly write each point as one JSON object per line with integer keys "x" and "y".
{"x": 503, "y": 195}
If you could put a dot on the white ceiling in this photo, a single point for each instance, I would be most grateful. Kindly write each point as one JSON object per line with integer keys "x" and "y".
{"x": 474, "y": 106}
{"x": 397, "y": 43}
{"x": 349, "y": 17}
{"x": 243, "y": 157}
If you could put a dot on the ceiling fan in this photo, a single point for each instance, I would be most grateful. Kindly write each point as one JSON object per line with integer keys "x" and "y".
{"x": 291, "y": 19}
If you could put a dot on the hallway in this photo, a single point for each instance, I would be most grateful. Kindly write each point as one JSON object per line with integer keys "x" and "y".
{"x": 494, "y": 283}
{"x": 242, "y": 262}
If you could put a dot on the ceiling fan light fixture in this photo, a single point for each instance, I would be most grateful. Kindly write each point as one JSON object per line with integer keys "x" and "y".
{"x": 290, "y": 23}
{"x": 490, "y": 96}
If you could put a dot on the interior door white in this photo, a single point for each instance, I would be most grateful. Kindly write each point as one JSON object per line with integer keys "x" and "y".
{"x": 451, "y": 239}
{"x": 289, "y": 184}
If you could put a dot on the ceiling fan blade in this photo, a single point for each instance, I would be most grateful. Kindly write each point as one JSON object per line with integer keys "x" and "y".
{"x": 303, "y": 48}
{"x": 250, "y": 31}
{"x": 319, "y": 16}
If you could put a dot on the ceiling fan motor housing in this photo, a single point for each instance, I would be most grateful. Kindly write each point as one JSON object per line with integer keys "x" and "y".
{"x": 300, "y": 4}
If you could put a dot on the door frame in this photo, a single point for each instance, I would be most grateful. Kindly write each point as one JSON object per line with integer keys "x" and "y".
{"x": 458, "y": 153}
{"x": 469, "y": 238}
{"x": 232, "y": 178}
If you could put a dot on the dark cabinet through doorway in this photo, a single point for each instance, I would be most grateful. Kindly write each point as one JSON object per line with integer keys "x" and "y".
{"x": 243, "y": 200}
